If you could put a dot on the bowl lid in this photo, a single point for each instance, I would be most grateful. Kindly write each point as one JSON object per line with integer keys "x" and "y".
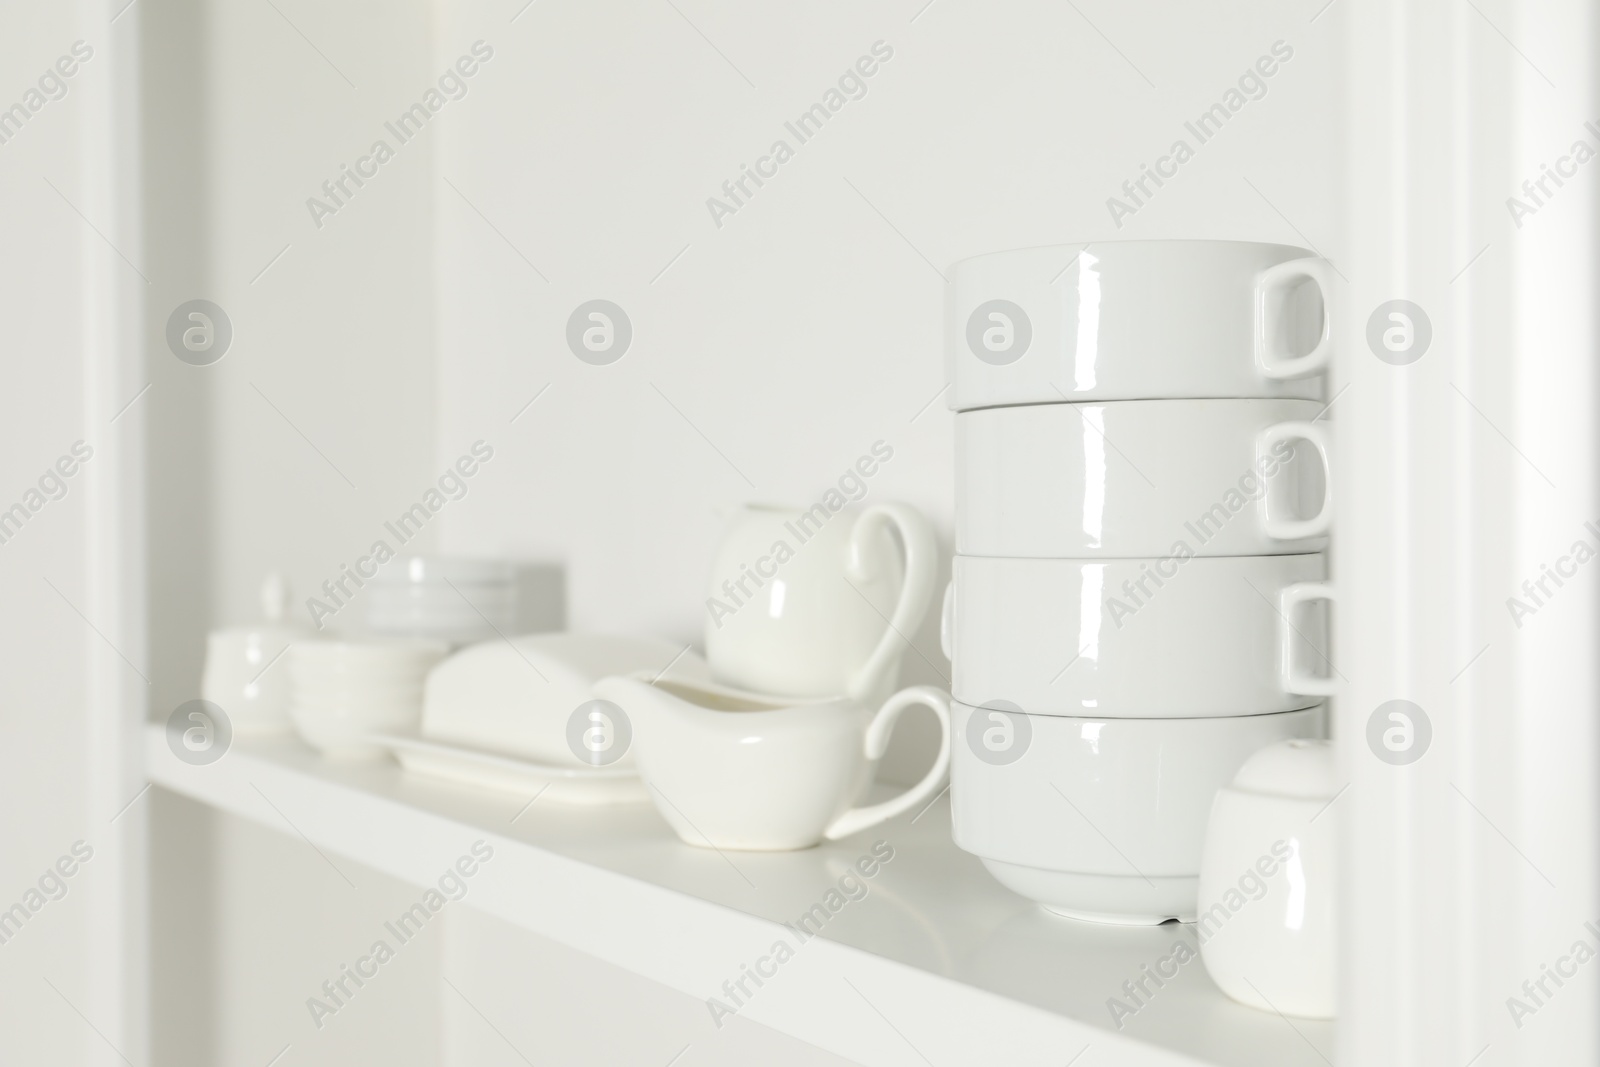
{"x": 1303, "y": 768}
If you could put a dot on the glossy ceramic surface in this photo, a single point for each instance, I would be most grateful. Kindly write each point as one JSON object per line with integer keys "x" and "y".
{"x": 1139, "y": 477}
{"x": 344, "y": 691}
{"x": 1129, "y": 638}
{"x": 244, "y": 671}
{"x": 516, "y": 696}
{"x": 741, "y": 773}
{"x": 1112, "y": 798}
{"x": 1136, "y": 320}
{"x": 812, "y": 604}
{"x": 583, "y": 786}
{"x": 1268, "y": 882}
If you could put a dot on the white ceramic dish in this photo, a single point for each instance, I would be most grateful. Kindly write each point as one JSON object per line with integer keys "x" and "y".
{"x": 1085, "y": 810}
{"x": 342, "y": 691}
{"x": 344, "y": 732}
{"x": 812, "y": 604}
{"x": 735, "y": 771}
{"x": 1080, "y": 637}
{"x": 1136, "y": 320}
{"x": 524, "y": 778}
{"x": 518, "y": 696}
{"x": 1137, "y": 477}
{"x": 1267, "y": 917}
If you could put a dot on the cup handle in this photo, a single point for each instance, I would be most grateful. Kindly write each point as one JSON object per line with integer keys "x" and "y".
{"x": 1293, "y": 679}
{"x": 1317, "y": 525}
{"x": 877, "y": 740}
{"x": 921, "y": 551}
{"x": 1281, "y": 365}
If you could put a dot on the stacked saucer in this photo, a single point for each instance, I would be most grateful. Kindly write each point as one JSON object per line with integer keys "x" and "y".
{"x": 1142, "y": 503}
{"x": 455, "y": 599}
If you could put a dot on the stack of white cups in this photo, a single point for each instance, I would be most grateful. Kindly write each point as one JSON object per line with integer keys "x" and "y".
{"x": 1142, "y": 502}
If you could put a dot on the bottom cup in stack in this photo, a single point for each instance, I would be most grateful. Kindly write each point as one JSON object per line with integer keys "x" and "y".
{"x": 1099, "y": 819}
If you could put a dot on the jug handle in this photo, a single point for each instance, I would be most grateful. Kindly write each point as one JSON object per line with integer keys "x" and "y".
{"x": 921, "y": 552}
{"x": 877, "y": 740}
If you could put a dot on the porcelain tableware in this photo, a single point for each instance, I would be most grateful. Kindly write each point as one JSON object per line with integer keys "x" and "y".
{"x": 457, "y": 599}
{"x": 734, "y": 771}
{"x": 1134, "y": 478}
{"x": 1136, "y": 320}
{"x": 551, "y": 784}
{"x": 815, "y": 603}
{"x": 518, "y": 697}
{"x": 243, "y": 675}
{"x": 1099, "y": 818}
{"x": 343, "y": 691}
{"x": 1267, "y": 921}
{"x": 1131, "y": 638}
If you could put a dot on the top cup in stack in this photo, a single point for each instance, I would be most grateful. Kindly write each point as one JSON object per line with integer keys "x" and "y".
{"x": 1142, "y": 500}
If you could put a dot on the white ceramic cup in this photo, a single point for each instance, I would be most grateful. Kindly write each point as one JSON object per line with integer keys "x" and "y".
{"x": 1140, "y": 638}
{"x": 818, "y": 603}
{"x": 752, "y": 774}
{"x": 1131, "y": 478}
{"x": 1267, "y": 917}
{"x": 1098, "y": 818}
{"x": 1137, "y": 320}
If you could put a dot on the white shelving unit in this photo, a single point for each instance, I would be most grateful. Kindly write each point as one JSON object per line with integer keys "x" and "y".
{"x": 936, "y": 963}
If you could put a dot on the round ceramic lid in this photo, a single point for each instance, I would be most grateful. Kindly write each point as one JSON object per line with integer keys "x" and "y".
{"x": 1303, "y": 768}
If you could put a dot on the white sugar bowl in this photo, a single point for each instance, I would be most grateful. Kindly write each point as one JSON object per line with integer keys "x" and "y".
{"x": 242, "y": 674}
{"x": 1268, "y": 876}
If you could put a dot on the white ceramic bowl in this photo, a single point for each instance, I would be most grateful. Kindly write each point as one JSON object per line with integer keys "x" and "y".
{"x": 1134, "y": 478}
{"x": 1080, "y": 637}
{"x": 343, "y": 730}
{"x": 1101, "y": 819}
{"x": 1136, "y": 320}
{"x": 342, "y": 691}
{"x": 1267, "y": 917}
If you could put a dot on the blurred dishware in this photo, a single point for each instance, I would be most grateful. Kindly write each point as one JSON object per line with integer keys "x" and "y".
{"x": 1137, "y": 320}
{"x": 814, "y": 604}
{"x": 1097, "y": 818}
{"x": 242, "y": 674}
{"x": 1163, "y": 637}
{"x": 1135, "y": 478}
{"x": 445, "y": 598}
{"x": 1267, "y": 920}
{"x": 739, "y": 771}
{"x": 505, "y": 774}
{"x": 342, "y": 691}
{"x": 518, "y": 696}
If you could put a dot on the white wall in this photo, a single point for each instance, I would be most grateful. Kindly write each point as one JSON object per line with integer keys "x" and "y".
{"x": 63, "y": 680}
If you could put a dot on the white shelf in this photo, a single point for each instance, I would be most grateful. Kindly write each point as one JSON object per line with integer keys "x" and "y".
{"x": 937, "y": 963}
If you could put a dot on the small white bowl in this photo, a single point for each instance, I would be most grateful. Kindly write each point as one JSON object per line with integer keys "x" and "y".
{"x": 343, "y": 691}
{"x": 345, "y": 731}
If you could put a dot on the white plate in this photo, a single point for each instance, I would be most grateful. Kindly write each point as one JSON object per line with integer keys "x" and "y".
{"x": 488, "y": 770}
